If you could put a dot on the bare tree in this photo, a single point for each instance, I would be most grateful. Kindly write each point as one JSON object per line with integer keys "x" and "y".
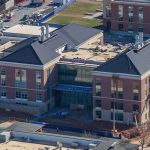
{"x": 144, "y": 134}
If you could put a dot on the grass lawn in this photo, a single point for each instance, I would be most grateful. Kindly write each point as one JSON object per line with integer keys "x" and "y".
{"x": 79, "y": 8}
{"x": 75, "y": 13}
{"x": 82, "y": 21}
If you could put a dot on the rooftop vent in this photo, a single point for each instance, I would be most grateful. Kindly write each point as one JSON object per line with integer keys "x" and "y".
{"x": 44, "y": 33}
{"x": 139, "y": 41}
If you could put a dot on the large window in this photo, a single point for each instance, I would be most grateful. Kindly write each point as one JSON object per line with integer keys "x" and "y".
{"x": 118, "y": 116}
{"x": 117, "y": 88}
{"x": 130, "y": 13}
{"x": 69, "y": 98}
{"x": 98, "y": 87}
{"x": 21, "y": 94}
{"x": 118, "y": 106}
{"x": 135, "y": 91}
{"x": 20, "y": 78}
{"x": 75, "y": 75}
{"x": 120, "y": 13}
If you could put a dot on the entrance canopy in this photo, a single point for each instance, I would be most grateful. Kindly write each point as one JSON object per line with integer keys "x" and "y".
{"x": 72, "y": 88}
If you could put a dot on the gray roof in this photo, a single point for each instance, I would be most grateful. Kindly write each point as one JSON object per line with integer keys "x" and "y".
{"x": 75, "y": 34}
{"x": 130, "y": 62}
{"x": 106, "y": 145}
{"x": 38, "y": 53}
{"x": 24, "y": 127}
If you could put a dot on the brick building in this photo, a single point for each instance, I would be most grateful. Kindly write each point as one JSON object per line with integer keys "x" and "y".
{"x": 127, "y": 16}
{"x": 122, "y": 85}
{"x": 29, "y": 69}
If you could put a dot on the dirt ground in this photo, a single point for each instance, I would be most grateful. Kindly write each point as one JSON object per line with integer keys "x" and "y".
{"x": 11, "y": 115}
{"x": 87, "y": 125}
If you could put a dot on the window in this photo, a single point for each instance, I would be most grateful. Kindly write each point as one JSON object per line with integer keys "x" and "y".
{"x": 38, "y": 96}
{"x": 20, "y": 78}
{"x": 135, "y": 91}
{"x": 135, "y": 108}
{"x": 117, "y": 88}
{"x": 118, "y": 116}
{"x": 3, "y": 71}
{"x": 18, "y": 94}
{"x": 130, "y": 28}
{"x": 108, "y": 11}
{"x": 120, "y": 27}
{"x": 118, "y": 106}
{"x": 38, "y": 76}
{"x": 98, "y": 87}
{"x": 98, "y": 103}
{"x": 24, "y": 95}
{"x": 120, "y": 13}
{"x": 38, "y": 79}
{"x": 120, "y": 89}
{"x": 140, "y": 27}
{"x": 130, "y": 13}
{"x": 38, "y": 85}
{"x": 21, "y": 94}
{"x": 3, "y": 77}
{"x": 140, "y": 19}
{"x": 3, "y": 93}
{"x": 140, "y": 15}
{"x": 3, "y": 81}
{"x": 98, "y": 115}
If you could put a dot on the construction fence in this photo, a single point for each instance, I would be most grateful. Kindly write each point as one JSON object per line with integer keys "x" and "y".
{"x": 55, "y": 11}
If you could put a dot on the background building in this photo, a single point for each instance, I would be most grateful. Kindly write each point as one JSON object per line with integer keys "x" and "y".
{"x": 127, "y": 17}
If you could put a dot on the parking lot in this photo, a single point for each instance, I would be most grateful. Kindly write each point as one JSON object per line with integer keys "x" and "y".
{"x": 25, "y": 9}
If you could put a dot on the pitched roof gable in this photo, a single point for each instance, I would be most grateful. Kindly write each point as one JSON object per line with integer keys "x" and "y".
{"x": 119, "y": 64}
{"x": 25, "y": 55}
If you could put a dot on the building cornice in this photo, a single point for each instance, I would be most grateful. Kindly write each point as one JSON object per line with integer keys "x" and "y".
{"x": 29, "y": 66}
{"x": 131, "y": 2}
{"x": 121, "y": 75}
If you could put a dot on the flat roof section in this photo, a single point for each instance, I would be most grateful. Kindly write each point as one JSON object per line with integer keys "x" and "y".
{"x": 26, "y": 30}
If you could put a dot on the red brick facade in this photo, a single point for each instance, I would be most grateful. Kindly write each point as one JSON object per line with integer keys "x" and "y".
{"x": 114, "y": 17}
{"x": 127, "y": 99}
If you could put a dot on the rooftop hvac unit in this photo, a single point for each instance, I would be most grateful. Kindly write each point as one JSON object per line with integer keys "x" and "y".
{"x": 92, "y": 146}
{"x": 74, "y": 144}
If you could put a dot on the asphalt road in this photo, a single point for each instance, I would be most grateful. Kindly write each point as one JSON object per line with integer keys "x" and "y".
{"x": 26, "y": 9}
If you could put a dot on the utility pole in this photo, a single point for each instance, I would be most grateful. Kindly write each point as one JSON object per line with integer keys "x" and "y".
{"x": 114, "y": 117}
{"x": 114, "y": 106}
